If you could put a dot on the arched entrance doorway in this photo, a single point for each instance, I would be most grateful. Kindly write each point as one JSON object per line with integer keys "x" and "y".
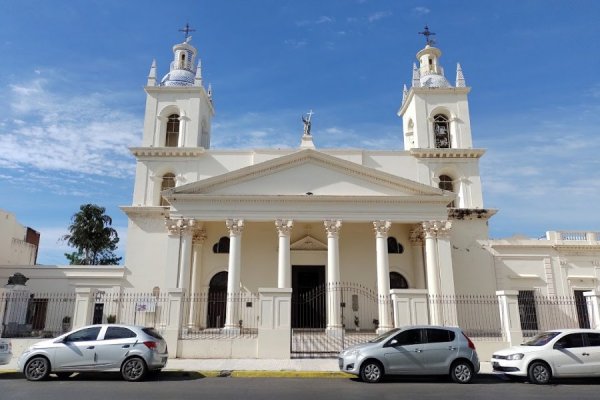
{"x": 217, "y": 300}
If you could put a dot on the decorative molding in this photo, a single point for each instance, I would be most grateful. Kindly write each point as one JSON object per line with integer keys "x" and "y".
{"x": 167, "y": 151}
{"x": 235, "y": 226}
{"x": 179, "y": 226}
{"x": 447, "y": 153}
{"x": 416, "y": 236}
{"x": 153, "y": 211}
{"x": 332, "y": 227}
{"x": 308, "y": 243}
{"x": 199, "y": 236}
{"x": 471, "y": 214}
{"x": 382, "y": 228}
{"x": 436, "y": 228}
{"x": 284, "y": 226}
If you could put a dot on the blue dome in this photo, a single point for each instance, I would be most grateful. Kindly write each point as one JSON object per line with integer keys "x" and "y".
{"x": 178, "y": 77}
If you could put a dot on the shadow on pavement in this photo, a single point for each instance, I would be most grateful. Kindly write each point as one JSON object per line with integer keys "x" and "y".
{"x": 113, "y": 376}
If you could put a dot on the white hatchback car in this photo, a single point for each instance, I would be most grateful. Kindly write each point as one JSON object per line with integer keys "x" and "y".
{"x": 557, "y": 353}
{"x": 133, "y": 350}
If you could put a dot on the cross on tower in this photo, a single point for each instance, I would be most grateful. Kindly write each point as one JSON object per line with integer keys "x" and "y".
{"x": 427, "y": 33}
{"x": 187, "y": 30}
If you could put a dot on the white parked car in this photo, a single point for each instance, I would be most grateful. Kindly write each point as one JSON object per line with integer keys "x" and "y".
{"x": 557, "y": 353}
{"x": 5, "y": 351}
{"x": 132, "y": 350}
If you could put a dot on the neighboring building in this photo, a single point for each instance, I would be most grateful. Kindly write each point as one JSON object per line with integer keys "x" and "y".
{"x": 18, "y": 243}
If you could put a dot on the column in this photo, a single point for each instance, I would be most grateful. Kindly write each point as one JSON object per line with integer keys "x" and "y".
{"x": 416, "y": 242}
{"x": 383, "y": 275}
{"x": 284, "y": 268}
{"x": 433, "y": 286}
{"x": 334, "y": 323}
{"x": 198, "y": 239}
{"x": 235, "y": 226}
{"x": 185, "y": 253}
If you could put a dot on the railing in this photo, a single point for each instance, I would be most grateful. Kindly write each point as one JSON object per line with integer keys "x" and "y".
{"x": 24, "y": 314}
{"x": 477, "y": 315}
{"x": 541, "y": 313}
{"x": 573, "y": 235}
{"x": 204, "y": 315}
{"x": 132, "y": 309}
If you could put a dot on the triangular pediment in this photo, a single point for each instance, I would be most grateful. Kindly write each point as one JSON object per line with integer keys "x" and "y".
{"x": 306, "y": 172}
{"x": 308, "y": 243}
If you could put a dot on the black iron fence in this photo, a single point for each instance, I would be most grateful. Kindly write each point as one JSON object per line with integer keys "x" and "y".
{"x": 204, "y": 315}
{"x": 25, "y": 314}
{"x": 539, "y": 313}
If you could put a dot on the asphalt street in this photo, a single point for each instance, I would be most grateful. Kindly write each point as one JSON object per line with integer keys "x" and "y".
{"x": 192, "y": 385}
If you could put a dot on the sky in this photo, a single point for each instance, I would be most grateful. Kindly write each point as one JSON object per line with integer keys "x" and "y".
{"x": 72, "y": 75}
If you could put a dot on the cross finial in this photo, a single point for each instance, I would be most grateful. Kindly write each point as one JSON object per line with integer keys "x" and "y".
{"x": 187, "y": 30}
{"x": 427, "y": 33}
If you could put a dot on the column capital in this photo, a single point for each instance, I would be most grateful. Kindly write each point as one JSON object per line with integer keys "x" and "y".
{"x": 284, "y": 226}
{"x": 382, "y": 227}
{"x": 332, "y": 227}
{"x": 179, "y": 226}
{"x": 235, "y": 226}
{"x": 416, "y": 236}
{"x": 199, "y": 236}
{"x": 436, "y": 228}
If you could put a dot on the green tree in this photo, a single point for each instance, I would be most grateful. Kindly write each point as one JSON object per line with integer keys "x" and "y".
{"x": 91, "y": 234}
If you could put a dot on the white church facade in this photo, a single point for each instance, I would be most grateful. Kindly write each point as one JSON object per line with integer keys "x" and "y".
{"x": 262, "y": 230}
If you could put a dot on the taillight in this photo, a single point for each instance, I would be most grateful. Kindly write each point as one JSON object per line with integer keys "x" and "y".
{"x": 471, "y": 344}
{"x": 151, "y": 345}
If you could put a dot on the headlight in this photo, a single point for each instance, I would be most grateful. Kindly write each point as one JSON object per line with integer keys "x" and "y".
{"x": 516, "y": 356}
{"x": 350, "y": 353}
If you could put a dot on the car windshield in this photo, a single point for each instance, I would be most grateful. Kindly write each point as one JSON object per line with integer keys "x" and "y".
{"x": 384, "y": 336}
{"x": 541, "y": 339}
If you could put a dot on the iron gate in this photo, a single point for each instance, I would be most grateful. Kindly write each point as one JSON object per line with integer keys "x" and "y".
{"x": 358, "y": 311}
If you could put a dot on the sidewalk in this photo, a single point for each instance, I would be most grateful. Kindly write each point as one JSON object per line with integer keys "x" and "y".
{"x": 303, "y": 367}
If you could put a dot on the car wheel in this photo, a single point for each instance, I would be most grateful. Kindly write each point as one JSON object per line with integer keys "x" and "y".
{"x": 461, "y": 372}
{"x": 37, "y": 369}
{"x": 371, "y": 371}
{"x": 133, "y": 369}
{"x": 539, "y": 373}
{"x": 63, "y": 375}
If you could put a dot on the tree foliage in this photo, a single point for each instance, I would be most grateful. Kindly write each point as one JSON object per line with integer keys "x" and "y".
{"x": 92, "y": 236}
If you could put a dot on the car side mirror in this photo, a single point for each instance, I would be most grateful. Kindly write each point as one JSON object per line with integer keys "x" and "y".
{"x": 559, "y": 346}
{"x": 391, "y": 343}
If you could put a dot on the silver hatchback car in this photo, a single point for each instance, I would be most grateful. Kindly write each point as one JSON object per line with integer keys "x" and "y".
{"x": 413, "y": 350}
{"x": 132, "y": 350}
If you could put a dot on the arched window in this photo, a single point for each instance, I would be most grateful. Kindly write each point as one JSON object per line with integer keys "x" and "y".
{"x": 394, "y": 247}
{"x": 172, "y": 136}
{"x": 446, "y": 184}
{"x": 397, "y": 281}
{"x": 441, "y": 130}
{"x": 168, "y": 182}
{"x": 222, "y": 246}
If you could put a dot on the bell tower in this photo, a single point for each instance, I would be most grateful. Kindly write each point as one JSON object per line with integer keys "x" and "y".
{"x": 434, "y": 113}
{"x": 178, "y": 108}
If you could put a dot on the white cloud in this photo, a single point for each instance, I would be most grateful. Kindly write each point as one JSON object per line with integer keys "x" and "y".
{"x": 421, "y": 11}
{"x": 379, "y": 15}
{"x": 48, "y": 130}
{"x": 324, "y": 20}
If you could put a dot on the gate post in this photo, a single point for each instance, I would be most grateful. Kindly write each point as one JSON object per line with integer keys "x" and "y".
{"x": 274, "y": 329}
{"x": 593, "y": 307}
{"x": 410, "y": 307}
{"x": 174, "y": 314}
{"x": 84, "y": 306}
{"x": 509, "y": 316}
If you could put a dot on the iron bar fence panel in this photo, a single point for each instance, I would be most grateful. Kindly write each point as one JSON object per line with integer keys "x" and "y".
{"x": 540, "y": 313}
{"x": 204, "y": 315}
{"x": 147, "y": 309}
{"x": 25, "y": 314}
{"x": 477, "y": 315}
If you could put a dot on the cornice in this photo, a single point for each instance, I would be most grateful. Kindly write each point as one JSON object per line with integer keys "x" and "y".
{"x": 156, "y": 211}
{"x": 470, "y": 214}
{"x": 447, "y": 153}
{"x": 591, "y": 247}
{"x": 427, "y": 90}
{"x": 167, "y": 151}
{"x": 265, "y": 199}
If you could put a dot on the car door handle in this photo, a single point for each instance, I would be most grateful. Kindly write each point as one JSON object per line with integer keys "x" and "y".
{"x": 90, "y": 347}
{"x": 451, "y": 348}
{"x": 585, "y": 354}
{"x": 418, "y": 350}
{"x": 125, "y": 346}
